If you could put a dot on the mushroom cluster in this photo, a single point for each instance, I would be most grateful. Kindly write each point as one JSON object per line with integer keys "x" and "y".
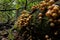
{"x": 43, "y": 4}
{"x": 23, "y": 19}
{"x": 53, "y": 14}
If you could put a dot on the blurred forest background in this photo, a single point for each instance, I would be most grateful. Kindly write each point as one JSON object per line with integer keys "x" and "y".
{"x": 10, "y": 9}
{"x": 41, "y": 25}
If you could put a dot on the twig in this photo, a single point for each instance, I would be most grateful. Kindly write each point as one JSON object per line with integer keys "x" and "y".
{"x": 26, "y": 5}
{"x": 9, "y": 9}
